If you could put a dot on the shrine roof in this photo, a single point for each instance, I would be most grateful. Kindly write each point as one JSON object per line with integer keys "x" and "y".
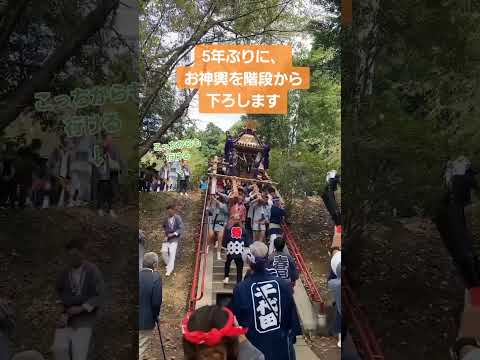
{"x": 248, "y": 140}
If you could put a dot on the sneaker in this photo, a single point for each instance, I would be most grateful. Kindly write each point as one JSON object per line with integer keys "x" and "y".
{"x": 112, "y": 214}
{"x": 339, "y": 343}
{"x": 226, "y": 280}
{"x": 219, "y": 257}
{"x": 167, "y": 274}
{"x": 100, "y": 212}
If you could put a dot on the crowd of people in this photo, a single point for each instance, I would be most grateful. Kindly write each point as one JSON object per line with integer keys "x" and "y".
{"x": 261, "y": 322}
{"x": 172, "y": 176}
{"x": 28, "y": 179}
{"x": 253, "y": 210}
{"x": 244, "y": 225}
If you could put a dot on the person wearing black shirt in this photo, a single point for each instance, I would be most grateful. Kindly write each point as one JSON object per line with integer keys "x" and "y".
{"x": 328, "y": 196}
{"x": 7, "y": 174}
{"x": 452, "y": 223}
{"x": 277, "y": 215}
{"x": 28, "y": 161}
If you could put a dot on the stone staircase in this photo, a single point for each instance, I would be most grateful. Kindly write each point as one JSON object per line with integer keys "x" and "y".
{"x": 218, "y": 275}
{"x": 144, "y": 343}
{"x": 215, "y": 289}
{"x": 214, "y": 286}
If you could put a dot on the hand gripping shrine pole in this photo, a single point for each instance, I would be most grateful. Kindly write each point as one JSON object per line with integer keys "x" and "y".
{"x": 213, "y": 187}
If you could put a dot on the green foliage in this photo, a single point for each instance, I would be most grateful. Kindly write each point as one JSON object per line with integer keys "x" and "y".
{"x": 306, "y": 142}
{"x": 308, "y": 137}
{"x": 423, "y": 109}
{"x": 300, "y": 172}
{"x": 198, "y": 164}
{"x": 213, "y": 140}
{"x": 169, "y": 29}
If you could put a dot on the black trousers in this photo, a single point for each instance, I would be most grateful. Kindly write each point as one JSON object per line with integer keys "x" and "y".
{"x": 8, "y": 192}
{"x": 115, "y": 181}
{"x": 56, "y": 191}
{"x": 183, "y": 186}
{"x": 238, "y": 263}
{"x": 248, "y": 227}
{"x": 38, "y": 196}
{"x": 24, "y": 187}
{"x": 105, "y": 194}
{"x": 458, "y": 240}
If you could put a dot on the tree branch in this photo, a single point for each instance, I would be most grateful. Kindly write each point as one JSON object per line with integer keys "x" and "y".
{"x": 179, "y": 54}
{"x": 14, "y": 103}
{"x": 147, "y": 145}
{"x": 201, "y": 29}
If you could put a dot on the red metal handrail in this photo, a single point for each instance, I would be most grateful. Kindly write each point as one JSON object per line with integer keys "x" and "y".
{"x": 204, "y": 270}
{"x": 198, "y": 258}
{"x": 307, "y": 280}
{"x": 367, "y": 344}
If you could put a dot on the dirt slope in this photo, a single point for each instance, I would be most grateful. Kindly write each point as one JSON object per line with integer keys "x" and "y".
{"x": 32, "y": 253}
{"x": 176, "y": 288}
{"x": 311, "y": 224}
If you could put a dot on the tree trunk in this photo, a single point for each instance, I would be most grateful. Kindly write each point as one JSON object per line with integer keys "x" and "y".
{"x": 359, "y": 72}
{"x": 147, "y": 145}
{"x": 14, "y": 104}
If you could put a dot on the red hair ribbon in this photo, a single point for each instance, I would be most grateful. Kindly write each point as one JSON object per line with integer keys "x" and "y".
{"x": 338, "y": 229}
{"x": 214, "y": 336}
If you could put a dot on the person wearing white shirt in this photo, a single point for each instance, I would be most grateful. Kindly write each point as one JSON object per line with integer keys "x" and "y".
{"x": 173, "y": 228}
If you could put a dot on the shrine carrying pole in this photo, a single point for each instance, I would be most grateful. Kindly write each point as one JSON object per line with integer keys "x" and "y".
{"x": 214, "y": 174}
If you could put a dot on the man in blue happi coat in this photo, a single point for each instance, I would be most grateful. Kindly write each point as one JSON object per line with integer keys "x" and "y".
{"x": 264, "y": 304}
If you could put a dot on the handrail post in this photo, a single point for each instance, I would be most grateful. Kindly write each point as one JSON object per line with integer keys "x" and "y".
{"x": 193, "y": 292}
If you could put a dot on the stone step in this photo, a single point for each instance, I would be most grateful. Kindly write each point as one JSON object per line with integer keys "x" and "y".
{"x": 220, "y": 276}
{"x": 303, "y": 351}
{"x": 144, "y": 341}
{"x": 220, "y": 287}
{"x": 221, "y": 269}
